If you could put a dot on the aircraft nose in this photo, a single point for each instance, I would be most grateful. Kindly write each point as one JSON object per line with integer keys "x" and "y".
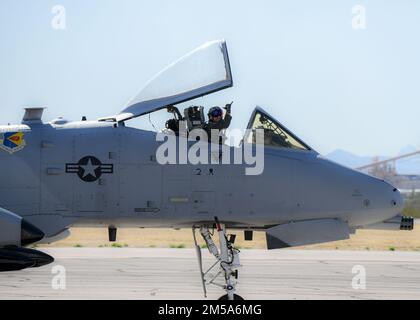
{"x": 392, "y": 203}
{"x": 398, "y": 200}
{"x": 382, "y": 202}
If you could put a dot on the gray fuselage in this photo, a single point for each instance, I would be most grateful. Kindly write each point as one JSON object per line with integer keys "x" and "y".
{"x": 41, "y": 183}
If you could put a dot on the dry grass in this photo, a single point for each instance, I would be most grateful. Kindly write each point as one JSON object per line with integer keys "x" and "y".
{"x": 168, "y": 238}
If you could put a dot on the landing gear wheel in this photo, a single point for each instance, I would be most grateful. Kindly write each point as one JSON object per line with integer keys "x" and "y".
{"x": 227, "y": 258}
{"x": 235, "y": 297}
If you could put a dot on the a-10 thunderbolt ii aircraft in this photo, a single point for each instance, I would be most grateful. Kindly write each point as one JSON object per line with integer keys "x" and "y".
{"x": 103, "y": 173}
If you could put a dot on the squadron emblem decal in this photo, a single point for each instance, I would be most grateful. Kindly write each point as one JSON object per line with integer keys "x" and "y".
{"x": 89, "y": 169}
{"x": 12, "y": 142}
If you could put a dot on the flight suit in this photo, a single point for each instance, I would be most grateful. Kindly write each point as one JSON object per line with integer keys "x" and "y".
{"x": 221, "y": 125}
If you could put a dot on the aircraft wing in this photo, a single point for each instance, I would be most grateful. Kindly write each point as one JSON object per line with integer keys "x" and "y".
{"x": 16, "y": 232}
{"x": 203, "y": 71}
{"x": 307, "y": 232}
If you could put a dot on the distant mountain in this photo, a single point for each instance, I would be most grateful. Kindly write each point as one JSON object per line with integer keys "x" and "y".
{"x": 407, "y": 149}
{"x": 348, "y": 159}
{"x": 405, "y": 166}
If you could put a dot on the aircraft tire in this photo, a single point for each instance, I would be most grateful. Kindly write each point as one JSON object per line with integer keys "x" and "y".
{"x": 235, "y": 297}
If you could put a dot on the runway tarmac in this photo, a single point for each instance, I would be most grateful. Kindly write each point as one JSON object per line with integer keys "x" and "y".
{"x": 125, "y": 273}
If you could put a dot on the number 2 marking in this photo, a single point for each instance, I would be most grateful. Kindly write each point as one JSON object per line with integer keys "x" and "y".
{"x": 198, "y": 172}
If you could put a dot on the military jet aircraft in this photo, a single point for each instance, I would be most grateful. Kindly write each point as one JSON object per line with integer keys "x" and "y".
{"x": 104, "y": 173}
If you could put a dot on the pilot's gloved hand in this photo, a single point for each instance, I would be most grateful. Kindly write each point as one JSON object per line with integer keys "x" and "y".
{"x": 228, "y": 107}
{"x": 170, "y": 108}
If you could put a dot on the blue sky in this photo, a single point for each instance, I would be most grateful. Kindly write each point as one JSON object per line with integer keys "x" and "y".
{"x": 301, "y": 60}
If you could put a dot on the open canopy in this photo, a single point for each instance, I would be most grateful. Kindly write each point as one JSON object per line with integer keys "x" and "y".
{"x": 200, "y": 72}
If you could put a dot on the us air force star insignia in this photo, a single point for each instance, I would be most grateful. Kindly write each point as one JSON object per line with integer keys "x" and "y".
{"x": 89, "y": 169}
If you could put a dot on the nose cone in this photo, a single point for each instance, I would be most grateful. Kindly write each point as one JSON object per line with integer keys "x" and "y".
{"x": 386, "y": 201}
{"x": 399, "y": 200}
{"x": 393, "y": 200}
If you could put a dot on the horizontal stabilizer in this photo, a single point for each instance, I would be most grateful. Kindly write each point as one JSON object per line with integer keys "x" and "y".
{"x": 301, "y": 233}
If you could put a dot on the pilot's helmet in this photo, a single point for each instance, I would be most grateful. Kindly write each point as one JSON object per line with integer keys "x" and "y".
{"x": 215, "y": 112}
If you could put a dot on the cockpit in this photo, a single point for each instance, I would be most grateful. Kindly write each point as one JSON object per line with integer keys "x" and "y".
{"x": 275, "y": 134}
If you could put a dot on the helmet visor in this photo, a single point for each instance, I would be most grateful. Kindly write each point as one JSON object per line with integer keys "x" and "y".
{"x": 217, "y": 112}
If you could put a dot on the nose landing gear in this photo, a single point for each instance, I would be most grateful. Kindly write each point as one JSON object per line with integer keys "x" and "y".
{"x": 227, "y": 258}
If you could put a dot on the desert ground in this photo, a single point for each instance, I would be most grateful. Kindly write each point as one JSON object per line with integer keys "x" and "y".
{"x": 375, "y": 240}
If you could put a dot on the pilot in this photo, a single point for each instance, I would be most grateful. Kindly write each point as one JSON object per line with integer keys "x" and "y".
{"x": 217, "y": 122}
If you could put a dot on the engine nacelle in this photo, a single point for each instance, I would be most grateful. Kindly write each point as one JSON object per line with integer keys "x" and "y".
{"x": 10, "y": 228}
{"x": 18, "y": 258}
{"x": 15, "y": 231}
